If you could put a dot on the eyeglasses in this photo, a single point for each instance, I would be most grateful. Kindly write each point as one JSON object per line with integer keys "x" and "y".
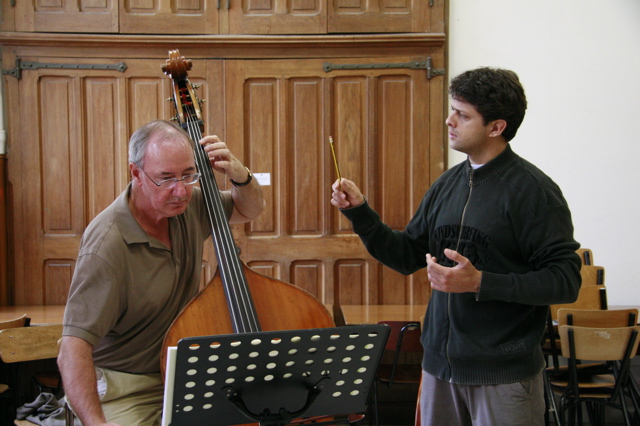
{"x": 171, "y": 182}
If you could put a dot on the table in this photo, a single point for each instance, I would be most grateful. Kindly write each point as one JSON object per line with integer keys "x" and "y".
{"x": 39, "y": 314}
{"x": 372, "y": 314}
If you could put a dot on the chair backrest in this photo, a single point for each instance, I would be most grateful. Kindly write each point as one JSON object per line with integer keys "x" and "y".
{"x": 599, "y": 344}
{"x": 30, "y": 343}
{"x": 586, "y": 255}
{"x": 592, "y": 275}
{"x": 403, "y": 336}
{"x": 22, "y": 321}
{"x": 590, "y": 297}
{"x": 598, "y": 318}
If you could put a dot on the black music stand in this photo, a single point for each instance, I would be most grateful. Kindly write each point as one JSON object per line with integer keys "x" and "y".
{"x": 273, "y": 377}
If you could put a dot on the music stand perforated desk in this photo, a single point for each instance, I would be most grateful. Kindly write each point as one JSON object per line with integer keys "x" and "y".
{"x": 272, "y": 377}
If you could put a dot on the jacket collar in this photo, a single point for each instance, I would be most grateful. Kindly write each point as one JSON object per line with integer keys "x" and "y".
{"x": 496, "y": 167}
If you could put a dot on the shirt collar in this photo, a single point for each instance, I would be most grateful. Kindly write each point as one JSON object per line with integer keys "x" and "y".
{"x": 129, "y": 227}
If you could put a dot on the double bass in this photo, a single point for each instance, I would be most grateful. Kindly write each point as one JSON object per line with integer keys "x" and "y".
{"x": 238, "y": 299}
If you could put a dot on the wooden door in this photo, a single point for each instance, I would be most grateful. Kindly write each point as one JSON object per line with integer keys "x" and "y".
{"x": 388, "y": 129}
{"x": 382, "y": 16}
{"x": 67, "y": 159}
{"x": 278, "y": 17}
{"x": 168, "y": 17}
{"x": 73, "y": 16}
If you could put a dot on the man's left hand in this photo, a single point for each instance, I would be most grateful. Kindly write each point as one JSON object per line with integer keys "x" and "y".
{"x": 462, "y": 278}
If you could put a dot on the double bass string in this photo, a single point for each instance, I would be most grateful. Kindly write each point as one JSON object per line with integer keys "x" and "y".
{"x": 223, "y": 239}
{"x": 230, "y": 267}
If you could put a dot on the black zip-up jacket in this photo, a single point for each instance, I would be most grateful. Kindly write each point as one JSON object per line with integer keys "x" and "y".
{"x": 512, "y": 222}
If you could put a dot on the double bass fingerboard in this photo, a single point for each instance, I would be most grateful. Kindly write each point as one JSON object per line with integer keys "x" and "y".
{"x": 241, "y": 308}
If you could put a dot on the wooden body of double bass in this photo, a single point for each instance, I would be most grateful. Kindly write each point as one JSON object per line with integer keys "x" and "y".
{"x": 279, "y": 305}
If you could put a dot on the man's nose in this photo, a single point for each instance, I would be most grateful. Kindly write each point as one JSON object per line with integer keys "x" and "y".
{"x": 449, "y": 120}
{"x": 179, "y": 189}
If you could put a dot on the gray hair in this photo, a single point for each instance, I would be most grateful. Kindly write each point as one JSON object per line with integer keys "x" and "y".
{"x": 160, "y": 130}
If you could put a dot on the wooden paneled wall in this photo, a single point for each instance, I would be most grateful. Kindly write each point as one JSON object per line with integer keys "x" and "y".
{"x": 276, "y": 110}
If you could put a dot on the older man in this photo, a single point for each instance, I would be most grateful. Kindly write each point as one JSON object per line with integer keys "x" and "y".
{"x": 139, "y": 264}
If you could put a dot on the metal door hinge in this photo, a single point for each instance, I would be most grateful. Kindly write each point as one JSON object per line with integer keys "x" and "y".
{"x": 30, "y": 65}
{"x": 426, "y": 64}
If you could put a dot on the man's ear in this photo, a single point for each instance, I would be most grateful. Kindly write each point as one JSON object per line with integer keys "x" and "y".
{"x": 134, "y": 170}
{"x": 497, "y": 128}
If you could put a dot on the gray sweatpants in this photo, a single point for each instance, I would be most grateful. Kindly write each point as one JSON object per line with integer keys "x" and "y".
{"x": 515, "y": 404}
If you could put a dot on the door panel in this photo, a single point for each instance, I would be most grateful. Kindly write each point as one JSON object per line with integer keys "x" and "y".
{"x": 278, "y": 17}
{"x": 81, "y": 16}
{"x": 168, "y": 17}
{"x": 379, "y": 16}
{"x": 103, "y": 181}
{"x": 7, "y": 15}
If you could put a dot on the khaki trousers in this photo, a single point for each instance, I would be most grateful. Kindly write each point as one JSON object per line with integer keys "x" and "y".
{"x": 130, "y": 399}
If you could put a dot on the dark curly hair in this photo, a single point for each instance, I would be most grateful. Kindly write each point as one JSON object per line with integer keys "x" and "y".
{"x": 496, "y": 94}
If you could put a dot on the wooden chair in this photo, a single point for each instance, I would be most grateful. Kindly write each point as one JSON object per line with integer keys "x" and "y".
{"x": 404, "y": 338}
{"x": 590, "y": 297}
{"x": 592, "y": 275}
{"x": 7, "y": 392}
{"x": 613, "y": 345}
{"x": 22, "y": 321}
{"x": 33, "y": 343}
{"x": 596, "y": 318}
{"x": 586, "y": 255}
{"x": 22, "y": 344}
{"x": 30, "y": 343}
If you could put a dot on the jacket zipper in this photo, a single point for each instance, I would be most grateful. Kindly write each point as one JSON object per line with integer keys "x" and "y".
{"x": 464, "y": 211}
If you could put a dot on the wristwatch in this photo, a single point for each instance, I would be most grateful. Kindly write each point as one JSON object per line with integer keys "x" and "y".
{"x": 246, "y": 182}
